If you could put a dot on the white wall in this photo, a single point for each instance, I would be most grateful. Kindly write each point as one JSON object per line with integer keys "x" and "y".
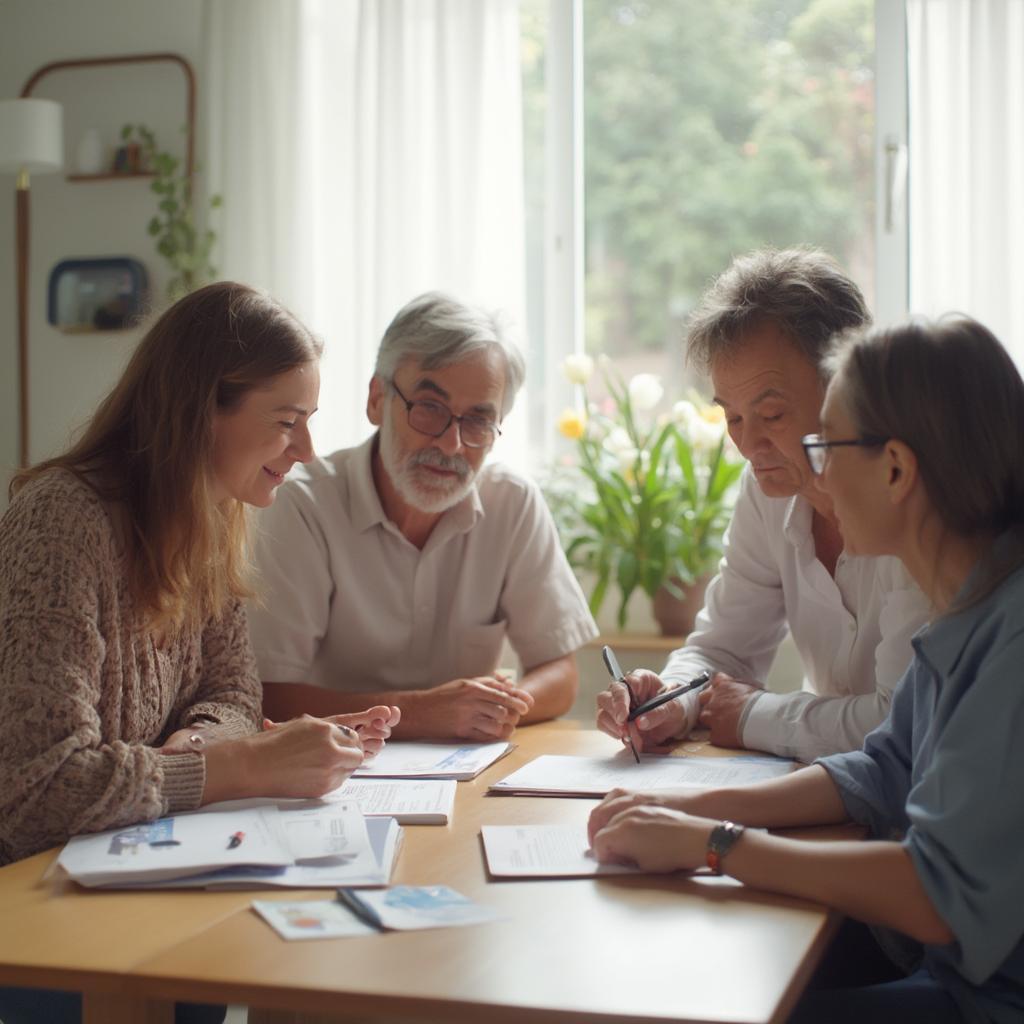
{"x": 70, "y": 372}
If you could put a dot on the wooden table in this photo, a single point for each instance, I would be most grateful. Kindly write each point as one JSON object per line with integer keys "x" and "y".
{"x": 619, "y": 948}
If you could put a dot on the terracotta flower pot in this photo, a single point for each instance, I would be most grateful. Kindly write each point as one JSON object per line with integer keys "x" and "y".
{"x": 675, "y": 615}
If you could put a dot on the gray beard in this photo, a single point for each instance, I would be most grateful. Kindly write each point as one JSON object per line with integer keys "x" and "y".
{"x": 402, "y": 469}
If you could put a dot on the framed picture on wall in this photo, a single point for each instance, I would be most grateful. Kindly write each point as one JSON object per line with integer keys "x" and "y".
{"x": 104, "y": 294}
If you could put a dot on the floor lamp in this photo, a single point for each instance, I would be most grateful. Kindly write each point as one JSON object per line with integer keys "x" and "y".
{"x": 31, "y": 142}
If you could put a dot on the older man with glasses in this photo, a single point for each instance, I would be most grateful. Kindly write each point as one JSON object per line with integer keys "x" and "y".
{"x": 394, "y": 571}
{"x": 762, "y": 332}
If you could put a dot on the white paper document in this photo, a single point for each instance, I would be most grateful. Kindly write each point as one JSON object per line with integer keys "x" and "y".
{"x": 543, "y": 851}
{"x": 558, "y": 775}
{"x": 408, "y": 801}
{"x": 402, "y": 760}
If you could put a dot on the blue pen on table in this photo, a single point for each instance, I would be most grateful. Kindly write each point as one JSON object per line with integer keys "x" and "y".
{"x": 612, "y": 664}
{"x": 664, "y": 698}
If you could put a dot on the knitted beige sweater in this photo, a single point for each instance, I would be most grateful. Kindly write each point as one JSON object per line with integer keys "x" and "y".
{"x": 85, "y": 694}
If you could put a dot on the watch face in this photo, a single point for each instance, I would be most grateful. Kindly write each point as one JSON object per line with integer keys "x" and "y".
{"x": 722, "y": 839}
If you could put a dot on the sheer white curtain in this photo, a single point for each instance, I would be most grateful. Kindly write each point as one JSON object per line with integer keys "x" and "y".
{"x": 367, "y": 150}
{"x": 966, "y": 119}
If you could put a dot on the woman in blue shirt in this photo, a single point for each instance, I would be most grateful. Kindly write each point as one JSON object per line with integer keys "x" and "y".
{"x": 922, "y": 454}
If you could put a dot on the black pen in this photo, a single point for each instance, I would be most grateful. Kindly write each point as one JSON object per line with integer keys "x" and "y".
{"x": 347, "y": 898}
{"x": 612, "y": 664}
{"x": 664, "y": 698}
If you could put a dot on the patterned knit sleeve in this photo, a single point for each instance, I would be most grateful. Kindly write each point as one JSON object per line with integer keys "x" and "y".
{"x": 59, "y": 774}
{"x": 229, "y": 697}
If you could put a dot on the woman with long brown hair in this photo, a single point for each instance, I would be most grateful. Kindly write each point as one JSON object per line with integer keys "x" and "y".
{"x": 127, "y": 685}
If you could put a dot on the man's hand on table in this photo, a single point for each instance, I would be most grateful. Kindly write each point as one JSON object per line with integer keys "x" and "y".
{"x": 651, "y": 731}
{"x": 482, "y": 709}
{"x": 721, "y": 707}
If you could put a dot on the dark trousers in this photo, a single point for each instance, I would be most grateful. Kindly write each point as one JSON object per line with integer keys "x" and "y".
{"x": 857, "y": 983}
{"x": 48, "y": 1006}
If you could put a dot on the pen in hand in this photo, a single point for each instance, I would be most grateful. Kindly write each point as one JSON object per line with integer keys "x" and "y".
{"x": 663, "y": 698}
{"x": 612, "y": 664}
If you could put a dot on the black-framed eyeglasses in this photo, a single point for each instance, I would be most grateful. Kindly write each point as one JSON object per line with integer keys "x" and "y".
{"x": 434, "y": 418}
{"x": 816, "y": 448}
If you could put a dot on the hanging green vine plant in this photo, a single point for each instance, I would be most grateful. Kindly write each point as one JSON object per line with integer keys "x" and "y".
{"x": 179, "y": 240}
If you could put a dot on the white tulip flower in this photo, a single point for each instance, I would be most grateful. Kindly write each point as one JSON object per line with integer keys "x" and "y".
{"x": 627, "y": 459}
{"x": 578, "y": 368}
{"x": 619, "y": 441}
{"x": 684, "y": 413}
{"x": 645, "y": 391}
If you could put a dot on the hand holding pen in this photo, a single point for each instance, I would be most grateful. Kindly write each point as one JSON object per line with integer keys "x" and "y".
{"x": 615, "y": 671}
{"x": 653, "y": 718}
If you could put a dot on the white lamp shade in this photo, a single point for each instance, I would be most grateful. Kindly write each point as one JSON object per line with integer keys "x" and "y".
{"x": 31, "y": 135}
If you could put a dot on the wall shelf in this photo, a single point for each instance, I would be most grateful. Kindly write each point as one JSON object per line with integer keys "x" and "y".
{"x": 112, "y": 176}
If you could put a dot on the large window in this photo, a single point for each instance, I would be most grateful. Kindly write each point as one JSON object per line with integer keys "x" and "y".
{"x": 707, "y": 129}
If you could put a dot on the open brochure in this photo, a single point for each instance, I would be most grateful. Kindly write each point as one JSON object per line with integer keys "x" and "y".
{"x": 408, "y": 801}
{"x": 303, "y": 844}
{"x": 402, "y": 760}
{"x": 558, "y": 775}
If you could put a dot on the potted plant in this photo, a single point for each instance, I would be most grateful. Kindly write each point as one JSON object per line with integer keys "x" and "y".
{"x": 184, "y": 245}
{"x": 643, "y": 500}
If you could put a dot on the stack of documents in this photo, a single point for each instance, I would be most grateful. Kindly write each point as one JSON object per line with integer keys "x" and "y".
{"x": 303, "y": 844}
{"x": 401, "y": 760}
{"x": 556, "y": 775}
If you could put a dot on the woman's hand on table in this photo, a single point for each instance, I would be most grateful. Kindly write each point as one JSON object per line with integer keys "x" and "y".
{"x": 373, "y": 726}
{"x": 653, "y": 838}
{"x": 620, "y": 800}
{"x": 305, "y": 757}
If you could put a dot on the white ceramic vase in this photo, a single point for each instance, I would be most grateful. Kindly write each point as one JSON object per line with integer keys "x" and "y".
{"x": 89, "y": 153}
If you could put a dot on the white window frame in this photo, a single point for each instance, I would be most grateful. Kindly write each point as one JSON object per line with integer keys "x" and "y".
{"x": 892, "y": 249}
{"x": 563, "y": 202}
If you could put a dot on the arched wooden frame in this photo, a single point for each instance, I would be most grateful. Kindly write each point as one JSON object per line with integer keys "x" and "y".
{"x": 22, "y": 210}
{"x": 139, "y": 58}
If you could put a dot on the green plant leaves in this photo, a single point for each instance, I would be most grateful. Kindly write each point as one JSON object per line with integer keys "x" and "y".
{"x": 185, "y": 248}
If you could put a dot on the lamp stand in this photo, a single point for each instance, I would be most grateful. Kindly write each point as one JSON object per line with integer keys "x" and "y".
{"x": 21, "y": 245}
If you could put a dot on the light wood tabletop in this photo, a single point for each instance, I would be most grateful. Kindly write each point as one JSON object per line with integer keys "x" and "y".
{"x": 626, "y": 948}
{"x": 618, "y": 948}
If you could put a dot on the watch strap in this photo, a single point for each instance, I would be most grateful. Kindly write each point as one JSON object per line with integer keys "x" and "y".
{"x": 723, "y": 838}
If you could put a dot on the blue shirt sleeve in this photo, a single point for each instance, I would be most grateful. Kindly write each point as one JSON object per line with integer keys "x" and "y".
{"x": 967, "y": 815}
{"x": 874, "y": 782}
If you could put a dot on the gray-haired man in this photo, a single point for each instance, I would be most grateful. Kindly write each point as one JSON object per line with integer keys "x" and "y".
{"x": 393, "y": 572}
{"x": 761, "y": 331}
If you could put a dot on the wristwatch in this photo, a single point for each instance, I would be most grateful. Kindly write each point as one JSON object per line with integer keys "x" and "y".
{"x": 722, "y": 839}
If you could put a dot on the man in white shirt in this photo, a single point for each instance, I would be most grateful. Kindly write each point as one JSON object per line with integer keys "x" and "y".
{"x": 399, "y": 567}
{"x": 761, "y": 332}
